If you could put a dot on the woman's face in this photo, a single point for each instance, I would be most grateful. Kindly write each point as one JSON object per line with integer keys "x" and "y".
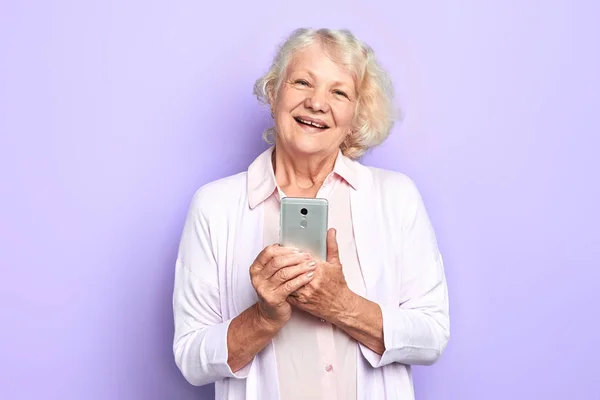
{"x": 314, "y": 108}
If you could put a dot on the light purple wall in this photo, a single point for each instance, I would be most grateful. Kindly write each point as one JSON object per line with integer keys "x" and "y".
{"x": 113, "y": 113}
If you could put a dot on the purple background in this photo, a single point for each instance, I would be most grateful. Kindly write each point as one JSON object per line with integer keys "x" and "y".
{"x": 112, "y": 113}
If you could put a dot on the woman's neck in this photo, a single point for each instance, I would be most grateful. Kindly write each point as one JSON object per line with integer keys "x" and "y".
{"x": 301, "y": 176}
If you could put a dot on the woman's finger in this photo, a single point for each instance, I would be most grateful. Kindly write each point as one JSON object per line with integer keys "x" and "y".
{"x": 294, "y": 284}
{"x": 274, "y": 250}
{"x": 282, "y": 261}
{"x": 287, "y": 273}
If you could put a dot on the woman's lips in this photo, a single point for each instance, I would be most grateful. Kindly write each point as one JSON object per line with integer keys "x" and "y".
{"x": 312, "y": 122}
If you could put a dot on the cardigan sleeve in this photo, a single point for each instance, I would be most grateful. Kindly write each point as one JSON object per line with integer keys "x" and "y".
{"x": 200, "y": 340}
{"x": 417, "y": 329}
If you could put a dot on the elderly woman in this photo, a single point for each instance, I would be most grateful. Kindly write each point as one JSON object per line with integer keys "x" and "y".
{"x": 266, "y": 321}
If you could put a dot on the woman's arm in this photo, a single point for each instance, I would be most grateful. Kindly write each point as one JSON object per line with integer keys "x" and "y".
{"x": 361, "y": 319}
{"x": 416, "y": 332}
{"x": 413, "y": 331}
{"x": 205, "y": 343}
{"x": 208, "y": 348}
{"x": 200, "y": 342}
{"x": 248, "y": 334}
{"x": 417, "y": 329}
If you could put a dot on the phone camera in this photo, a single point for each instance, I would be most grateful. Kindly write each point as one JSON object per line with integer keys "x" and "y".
{"x": 304, "y": 211}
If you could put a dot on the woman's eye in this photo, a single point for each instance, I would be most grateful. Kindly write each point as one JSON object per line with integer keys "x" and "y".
{"x": 302, "y": 82}
{"x": 339, "y": 92}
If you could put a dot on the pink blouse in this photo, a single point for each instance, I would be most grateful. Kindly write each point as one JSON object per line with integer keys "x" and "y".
{"x": 315, "y": 359}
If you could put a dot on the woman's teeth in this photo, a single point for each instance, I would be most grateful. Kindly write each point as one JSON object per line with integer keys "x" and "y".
{"x": 311, "y": 123}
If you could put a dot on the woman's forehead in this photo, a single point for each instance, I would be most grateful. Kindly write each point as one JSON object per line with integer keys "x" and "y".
{"x": 316, "y": 61}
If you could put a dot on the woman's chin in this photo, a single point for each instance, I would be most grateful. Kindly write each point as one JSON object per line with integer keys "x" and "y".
{"x": 308, "y": 147}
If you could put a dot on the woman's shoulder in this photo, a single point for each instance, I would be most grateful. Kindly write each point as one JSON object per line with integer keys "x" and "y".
{"x": 220, "y": 193}
{"x": 393, "y": 182}
{"x": 397, "y": 191}
{"x": 388, "y": 175}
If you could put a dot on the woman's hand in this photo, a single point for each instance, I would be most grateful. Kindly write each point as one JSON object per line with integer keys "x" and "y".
{"x": 327, "y": 294}
{"x": 277, "y": 272}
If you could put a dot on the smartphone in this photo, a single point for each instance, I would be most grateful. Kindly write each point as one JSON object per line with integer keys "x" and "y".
{"x": 303, "y": 224}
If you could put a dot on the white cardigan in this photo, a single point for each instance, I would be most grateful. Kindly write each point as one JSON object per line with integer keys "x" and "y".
{"x": 399, "y": 257}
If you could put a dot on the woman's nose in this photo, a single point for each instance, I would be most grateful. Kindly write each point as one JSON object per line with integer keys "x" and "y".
{"x": 317, "y": 101}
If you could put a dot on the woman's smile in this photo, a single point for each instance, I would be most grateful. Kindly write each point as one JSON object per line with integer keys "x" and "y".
{"x": 311, "y": 125}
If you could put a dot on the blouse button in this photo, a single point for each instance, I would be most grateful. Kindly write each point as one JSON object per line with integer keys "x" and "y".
{"x": 328, "y": 367}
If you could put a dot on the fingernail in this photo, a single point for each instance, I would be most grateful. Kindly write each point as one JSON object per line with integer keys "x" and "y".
{"x": 307, "y": 256}
{"x": 295, "y": 250}
{"x": 310, "y": 274}
{"x": 312, "y": 264}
